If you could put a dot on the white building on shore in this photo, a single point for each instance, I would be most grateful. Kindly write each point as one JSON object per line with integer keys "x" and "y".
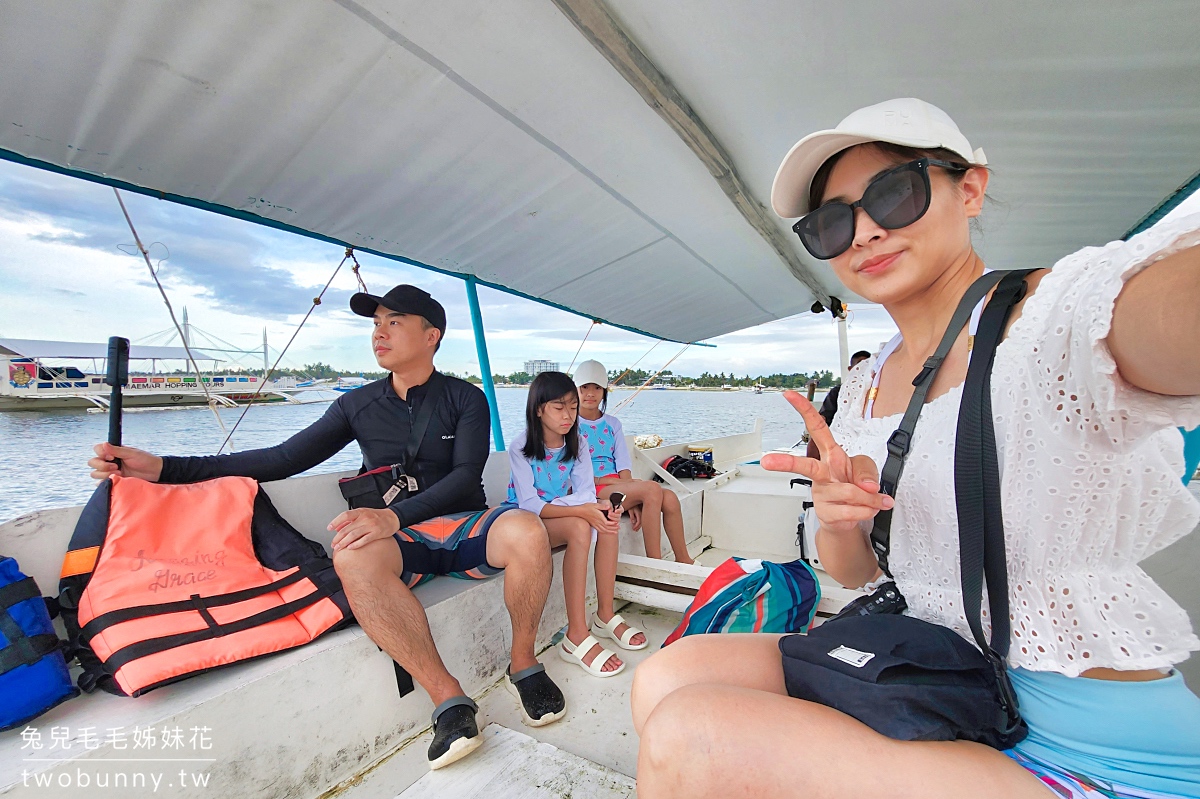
{"x": 534, "y": 368}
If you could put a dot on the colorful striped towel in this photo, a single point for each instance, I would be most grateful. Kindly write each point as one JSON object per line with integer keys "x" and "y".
{"x": 753, "y": 596}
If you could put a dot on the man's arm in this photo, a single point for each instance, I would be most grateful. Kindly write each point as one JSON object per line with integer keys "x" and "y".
{"x": 471, "y": 450}
{"x": 318, "y": 442}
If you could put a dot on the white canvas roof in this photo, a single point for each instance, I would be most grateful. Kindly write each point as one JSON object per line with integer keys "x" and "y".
{"x": 493, "y": 139}
{"x": 31, "y": 348}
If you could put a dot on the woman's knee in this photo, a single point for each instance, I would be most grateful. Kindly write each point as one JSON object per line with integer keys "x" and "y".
{"x": 747, "y": 660}
{"x": 678, "y": 725}
{"x": 657, "y": 676}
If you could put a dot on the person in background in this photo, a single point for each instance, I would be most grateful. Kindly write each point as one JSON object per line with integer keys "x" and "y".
{"x": 444, "y": 528}
{"x": 552, "y": 477}
{"x": 651, "y": 506}
{"x": 830, "y": 405}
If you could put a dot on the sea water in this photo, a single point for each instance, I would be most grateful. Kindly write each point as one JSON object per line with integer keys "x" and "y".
{"x": 43, "y": 454}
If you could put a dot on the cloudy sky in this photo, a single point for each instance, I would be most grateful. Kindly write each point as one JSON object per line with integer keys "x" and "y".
{"x": 64, "y": 276}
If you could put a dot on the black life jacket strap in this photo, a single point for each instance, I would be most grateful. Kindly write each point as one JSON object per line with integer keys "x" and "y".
{"x": 94, "y": 676}
{"x": 114, "y": 617}
{"x": 22, "y": 649}
{"x": 404, "y": 680}
{"x": 18, "y": 591}
{"x": 142, "y": 649}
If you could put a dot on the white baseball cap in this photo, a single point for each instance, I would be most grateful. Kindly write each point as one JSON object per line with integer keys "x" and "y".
{"x": 591, "y": 372}
{"x": 905, "y": 121}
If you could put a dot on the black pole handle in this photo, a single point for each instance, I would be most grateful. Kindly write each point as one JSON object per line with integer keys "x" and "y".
{"x": 117, "y": 377}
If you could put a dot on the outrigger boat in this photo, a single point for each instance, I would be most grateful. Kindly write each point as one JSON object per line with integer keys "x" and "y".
{"x": 32, "y": 384}
{"x": 345, "y": 384}
{"x": 567, "y": 151}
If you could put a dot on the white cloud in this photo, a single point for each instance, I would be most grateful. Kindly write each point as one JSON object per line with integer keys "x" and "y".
{"x": 63, "y": 277}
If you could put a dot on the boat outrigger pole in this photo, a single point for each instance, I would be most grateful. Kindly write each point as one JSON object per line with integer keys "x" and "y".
{"x": 117, "y": 376}
{"x": 485, "y": 365}
{"x": 839, "y": 313}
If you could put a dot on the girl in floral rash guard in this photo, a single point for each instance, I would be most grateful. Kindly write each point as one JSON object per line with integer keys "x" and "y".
{"x": 552, "y": 477}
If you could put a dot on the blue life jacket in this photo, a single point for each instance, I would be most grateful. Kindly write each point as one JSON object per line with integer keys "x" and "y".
{"x": 33, "y": 672}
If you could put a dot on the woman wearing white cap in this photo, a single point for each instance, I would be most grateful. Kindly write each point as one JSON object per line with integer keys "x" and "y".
{"x": 1088, "y": 386}
{"x": 652, "y": 508}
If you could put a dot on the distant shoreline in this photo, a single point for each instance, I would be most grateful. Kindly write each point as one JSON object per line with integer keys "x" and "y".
{"x": 717, "y": 389}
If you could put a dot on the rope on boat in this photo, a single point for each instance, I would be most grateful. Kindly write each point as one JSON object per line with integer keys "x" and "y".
{"x": 642, "y": 387}
{"x": 355, "y": 269}
{"x": 349, "y": 256}
{"x": 154, "y": 274}
{"x": 635, "y": 363}
{"x": 585, "y": 338}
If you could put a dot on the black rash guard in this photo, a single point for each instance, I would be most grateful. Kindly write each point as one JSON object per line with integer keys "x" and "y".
{"x": 449, "y": 467}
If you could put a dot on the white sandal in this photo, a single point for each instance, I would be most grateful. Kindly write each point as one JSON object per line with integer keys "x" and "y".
{"x": 603, "y": 630}
{"x": 595, "y": 668}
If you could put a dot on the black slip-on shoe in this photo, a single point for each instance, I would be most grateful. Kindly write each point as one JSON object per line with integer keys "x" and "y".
{"x": 455, "y": 733}
{"x": 541, "y": 700}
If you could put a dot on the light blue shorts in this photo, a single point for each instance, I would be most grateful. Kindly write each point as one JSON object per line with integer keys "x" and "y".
{"x": 1139, "y": 735}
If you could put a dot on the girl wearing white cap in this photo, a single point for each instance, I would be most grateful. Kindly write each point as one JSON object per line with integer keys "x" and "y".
{"x": 1089, "y": 384}
{"x": 651, "y": 506}
{"x": 551, "y": 476}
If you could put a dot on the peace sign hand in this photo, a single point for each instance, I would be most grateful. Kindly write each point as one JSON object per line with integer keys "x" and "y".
{"x": 845, "y": 489}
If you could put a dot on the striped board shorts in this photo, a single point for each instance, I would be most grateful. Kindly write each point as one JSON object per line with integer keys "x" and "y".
{"x": 454, "y": 545}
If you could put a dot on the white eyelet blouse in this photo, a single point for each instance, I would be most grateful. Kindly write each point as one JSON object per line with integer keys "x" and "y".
{"x": 1090, "y": 474}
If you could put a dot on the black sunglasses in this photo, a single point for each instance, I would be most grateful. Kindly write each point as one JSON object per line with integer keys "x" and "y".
{"x": 895, "y": 199}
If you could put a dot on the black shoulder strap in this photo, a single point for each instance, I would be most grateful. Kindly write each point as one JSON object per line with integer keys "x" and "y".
{"x": 901, "y": 440}
{"x": 433, "y": 395}
{"x": 977, "y": 475}
{"x": 977, "y": 490}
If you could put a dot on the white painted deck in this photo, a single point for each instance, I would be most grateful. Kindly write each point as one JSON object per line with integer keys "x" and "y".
{"x": 597, "y": 727}
{"x": 510, "y": 765}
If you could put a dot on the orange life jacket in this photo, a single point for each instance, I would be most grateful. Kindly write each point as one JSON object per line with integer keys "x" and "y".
{"x": 162, "y": 582}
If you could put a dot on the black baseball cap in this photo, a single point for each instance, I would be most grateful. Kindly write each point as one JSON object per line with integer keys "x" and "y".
{"x": 402, "y": 299}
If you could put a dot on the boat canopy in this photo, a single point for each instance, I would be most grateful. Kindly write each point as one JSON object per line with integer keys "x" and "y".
{"x": 30, "y": 348}
{"x": 611, "y": 159}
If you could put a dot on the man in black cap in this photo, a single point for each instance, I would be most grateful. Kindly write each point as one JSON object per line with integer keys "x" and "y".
{"x": 444, "y": 528}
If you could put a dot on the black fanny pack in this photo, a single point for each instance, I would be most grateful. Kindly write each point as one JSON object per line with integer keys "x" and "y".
{"x": 378, "y": 488}
{"x": 382, "y": 486}
{"x": 903, "y": 677}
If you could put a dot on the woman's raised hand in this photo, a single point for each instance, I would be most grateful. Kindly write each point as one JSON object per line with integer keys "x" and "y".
{"x": 845, "y": 489}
